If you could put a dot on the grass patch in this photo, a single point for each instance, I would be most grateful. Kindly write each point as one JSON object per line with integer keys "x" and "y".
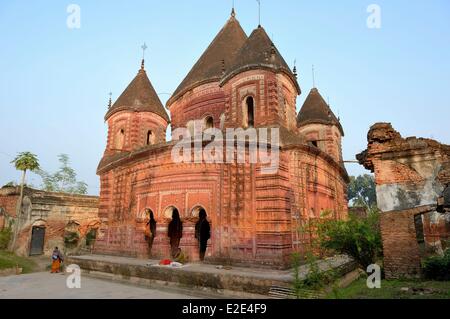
{"x": 10, "y": 260}
{"x": 396, "y": 289}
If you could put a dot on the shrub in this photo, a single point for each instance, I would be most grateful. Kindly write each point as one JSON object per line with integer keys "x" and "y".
{"x": 358, "y": 237}
{"x": 90, "y": 237}
{"x": 316, "y": 279}
{"x": 5, "y": 237}
{"x": 71, "y": 238}
{"x": 437, "y": 267}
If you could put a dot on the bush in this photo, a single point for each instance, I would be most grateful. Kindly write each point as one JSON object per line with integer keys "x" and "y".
{"x": 315, "y": 280}
{"x": 90, "y": 237}
{"x": 5, "y": 237}
{"x": 360, "y": 238}
{"x": 71, "y": 239}
{"x": 437, "y": 267}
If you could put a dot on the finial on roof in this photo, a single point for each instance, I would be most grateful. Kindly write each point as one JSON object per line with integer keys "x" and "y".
{"x": 313, "y": 77}
{"x": 144, "y": 47}
{"x": 259, "y": 13}
{"x": 294, "y": 70}
{"x": 110, "y": 100}
{"x": 233, "y": 12}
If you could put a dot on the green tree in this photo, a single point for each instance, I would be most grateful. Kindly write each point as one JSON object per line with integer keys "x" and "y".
{"x": 362, "y": 191}
{"x": 64, "y": 180}
{"x": 24, "y": 162}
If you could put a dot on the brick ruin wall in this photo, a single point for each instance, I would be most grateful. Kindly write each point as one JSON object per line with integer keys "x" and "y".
{"x": 410, "y": 175}
{"x": 56, "y": 212}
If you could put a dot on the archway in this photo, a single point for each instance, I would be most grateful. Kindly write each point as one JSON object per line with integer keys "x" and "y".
{"x": 249, "y": 112}
{"x": 202, "y": 229}
{"x": 150, "y": 137}
{"x": 168, "y": 211}
{"x": 209, "y": 122}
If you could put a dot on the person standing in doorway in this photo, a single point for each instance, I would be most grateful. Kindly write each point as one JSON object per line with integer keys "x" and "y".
{"x": 57, "y": 259}
{"x": 152, "y": 226}
{"x": 175, "y": 233}
{"x": 202, "y": 232}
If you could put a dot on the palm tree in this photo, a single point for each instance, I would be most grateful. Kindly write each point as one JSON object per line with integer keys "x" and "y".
{"x": 24, "y": 162}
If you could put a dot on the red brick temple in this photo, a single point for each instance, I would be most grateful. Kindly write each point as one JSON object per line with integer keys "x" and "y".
{"x": 240, "y": 81}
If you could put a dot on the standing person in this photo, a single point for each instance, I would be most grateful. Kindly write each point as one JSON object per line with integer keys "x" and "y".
{"x": 175, "y": 233}
{"x": 202, "y": 232}
{"x": 57, "y": 259}
{"x": 152, "y": 225}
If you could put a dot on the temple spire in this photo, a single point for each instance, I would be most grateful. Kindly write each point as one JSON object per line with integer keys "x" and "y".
{"x": 110, "y": 100}
{"x": 233, "y": 11}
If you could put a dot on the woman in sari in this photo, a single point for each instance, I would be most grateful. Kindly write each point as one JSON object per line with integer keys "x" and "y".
{"x": 175, "y": 233}
{"x": 57, "y": 259}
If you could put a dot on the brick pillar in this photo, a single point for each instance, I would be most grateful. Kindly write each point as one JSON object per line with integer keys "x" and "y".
{"x": 401, "y": 250}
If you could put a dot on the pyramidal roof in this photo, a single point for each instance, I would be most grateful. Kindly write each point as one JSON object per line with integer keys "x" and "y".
{"x": 217, "y": 57}
{"x": 259, "y": 52}
{"x": 316, "y": 110}
{"x": 139, "y": 96}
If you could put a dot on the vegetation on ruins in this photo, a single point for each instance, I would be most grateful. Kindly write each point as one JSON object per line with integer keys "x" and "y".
{"x": 362, "y": 191}
{"x": 71, "y": 238}
{"x": 357, "y": 237}
{"x": 437, "y": 267}
{"x": 5, "y": 237}
{"x": 316, "y": 280}
{"x": 64, "y": 180}
{"x": 91, "y": 236}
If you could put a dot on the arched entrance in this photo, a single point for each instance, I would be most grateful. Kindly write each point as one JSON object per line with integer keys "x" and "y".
{"x": 167, "y": 213}
{"x": 202, "y": 230}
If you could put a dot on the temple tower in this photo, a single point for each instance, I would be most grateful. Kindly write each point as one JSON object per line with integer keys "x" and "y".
{"x": 318, "y": 124}
{"x": 137, "y": 119}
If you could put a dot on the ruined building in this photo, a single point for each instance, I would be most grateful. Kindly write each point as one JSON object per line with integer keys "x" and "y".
{"x": 240, "y": 81}
{"x": 48, "y": 219}
{"x": 412, "y": 178}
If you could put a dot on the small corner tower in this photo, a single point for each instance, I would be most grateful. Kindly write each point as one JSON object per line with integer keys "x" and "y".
{"x": 318, "y": 124}
{"x": 137, "y": 119}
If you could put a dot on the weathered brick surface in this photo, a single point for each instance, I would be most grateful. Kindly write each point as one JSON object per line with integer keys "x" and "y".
{"x": 54, "y": 211}
{"x": 255, "y": 217}
{"x": 401, "y": 250}
{"x": 410, "y": 174}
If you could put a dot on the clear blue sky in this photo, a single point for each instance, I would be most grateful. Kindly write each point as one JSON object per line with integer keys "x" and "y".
{"x": 54, "y": 81}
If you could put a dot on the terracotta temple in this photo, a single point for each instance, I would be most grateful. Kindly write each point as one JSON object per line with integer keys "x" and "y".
{"x": 240, "y": 81}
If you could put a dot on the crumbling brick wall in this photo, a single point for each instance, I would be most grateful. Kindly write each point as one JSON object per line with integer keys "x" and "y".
{"x": 410, "y": 176}
{"x": 53, "y": 211}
